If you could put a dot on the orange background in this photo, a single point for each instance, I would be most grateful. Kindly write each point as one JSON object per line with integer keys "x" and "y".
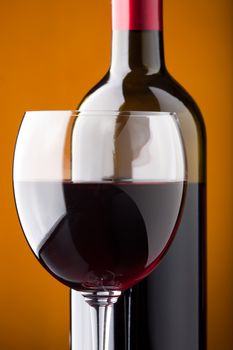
{"x": 52, "y": 52}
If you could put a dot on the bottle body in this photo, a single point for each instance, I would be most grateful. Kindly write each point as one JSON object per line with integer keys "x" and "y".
{"x": 166, "y": 311}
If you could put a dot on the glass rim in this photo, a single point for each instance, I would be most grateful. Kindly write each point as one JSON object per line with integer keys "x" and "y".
{"x": 102, "y": 112}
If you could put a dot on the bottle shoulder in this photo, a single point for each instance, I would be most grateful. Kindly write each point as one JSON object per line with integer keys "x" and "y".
{"x": 135, "y": 91}
{"x": 178, "y": 91}
{"x": 159, "y": 92}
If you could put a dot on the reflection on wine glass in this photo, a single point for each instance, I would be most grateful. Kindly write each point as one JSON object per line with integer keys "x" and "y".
{"x": 99, "y": 196}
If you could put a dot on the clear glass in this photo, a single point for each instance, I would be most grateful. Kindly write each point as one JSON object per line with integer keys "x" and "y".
{"x": 99, "y": 197}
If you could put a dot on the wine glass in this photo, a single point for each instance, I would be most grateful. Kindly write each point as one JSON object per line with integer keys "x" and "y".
{"x": 99, "y": 195}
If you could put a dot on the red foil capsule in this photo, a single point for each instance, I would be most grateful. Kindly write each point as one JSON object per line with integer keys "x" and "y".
{"x": 137, "y": 14}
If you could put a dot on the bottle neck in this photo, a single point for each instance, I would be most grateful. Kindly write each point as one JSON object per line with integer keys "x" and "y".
{"x": 137, "y": 39}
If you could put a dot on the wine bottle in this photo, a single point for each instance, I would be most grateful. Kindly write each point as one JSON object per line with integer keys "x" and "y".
{"x": 167, "y": 311}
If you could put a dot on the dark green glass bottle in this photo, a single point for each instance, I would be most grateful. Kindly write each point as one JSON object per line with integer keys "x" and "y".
{"x": 167, "y": 311}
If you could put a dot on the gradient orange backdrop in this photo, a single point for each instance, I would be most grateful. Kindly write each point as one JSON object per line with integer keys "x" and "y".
{"x": 51, "y": 53}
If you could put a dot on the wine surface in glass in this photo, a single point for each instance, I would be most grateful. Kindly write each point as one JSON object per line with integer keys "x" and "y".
{"x": 110, "y": 236}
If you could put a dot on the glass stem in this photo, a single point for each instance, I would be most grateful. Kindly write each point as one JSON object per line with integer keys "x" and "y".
{"x": 101, "y": 303}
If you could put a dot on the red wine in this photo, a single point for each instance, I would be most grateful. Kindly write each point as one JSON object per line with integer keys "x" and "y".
{"x": 111, "y": 235}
